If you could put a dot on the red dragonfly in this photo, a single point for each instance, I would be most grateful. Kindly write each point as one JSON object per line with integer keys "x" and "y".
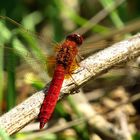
{"x": 65, "y": 64}
{"x": 64, "y": 61}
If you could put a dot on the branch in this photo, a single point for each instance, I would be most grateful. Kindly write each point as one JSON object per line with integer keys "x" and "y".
{"x": 91, "y": 67}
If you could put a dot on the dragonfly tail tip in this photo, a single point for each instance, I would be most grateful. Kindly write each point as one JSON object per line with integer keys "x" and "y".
{"x": 42, "y": 124}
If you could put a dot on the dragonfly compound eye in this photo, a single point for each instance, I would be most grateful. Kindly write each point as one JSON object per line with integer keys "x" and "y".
{"x": 78, "y": 39}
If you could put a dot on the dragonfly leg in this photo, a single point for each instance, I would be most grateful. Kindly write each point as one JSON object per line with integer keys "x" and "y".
{"x": 73, "y": 79}
{"x": 80, "y": 56}
{"x": 77, "y": 90}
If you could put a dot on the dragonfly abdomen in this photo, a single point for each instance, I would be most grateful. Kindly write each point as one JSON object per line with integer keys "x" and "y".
{"x": 52, "y": 94}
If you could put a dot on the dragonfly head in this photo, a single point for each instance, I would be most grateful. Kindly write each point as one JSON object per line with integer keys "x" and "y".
{"x": 78, "y": 39}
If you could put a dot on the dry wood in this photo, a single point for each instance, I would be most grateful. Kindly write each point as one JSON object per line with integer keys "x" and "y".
{"x": 91, "y": 67}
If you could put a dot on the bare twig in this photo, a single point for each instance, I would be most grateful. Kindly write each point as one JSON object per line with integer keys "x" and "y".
{"x": 91, "y": 67}
{"x": 122, "y": 119}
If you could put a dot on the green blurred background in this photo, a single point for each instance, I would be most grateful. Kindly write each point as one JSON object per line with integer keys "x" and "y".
{"x": 39, "y": 26}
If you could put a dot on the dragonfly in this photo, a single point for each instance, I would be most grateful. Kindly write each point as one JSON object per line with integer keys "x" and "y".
{"x": 64, "y": 60}
{"x": 65, "y": 63}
